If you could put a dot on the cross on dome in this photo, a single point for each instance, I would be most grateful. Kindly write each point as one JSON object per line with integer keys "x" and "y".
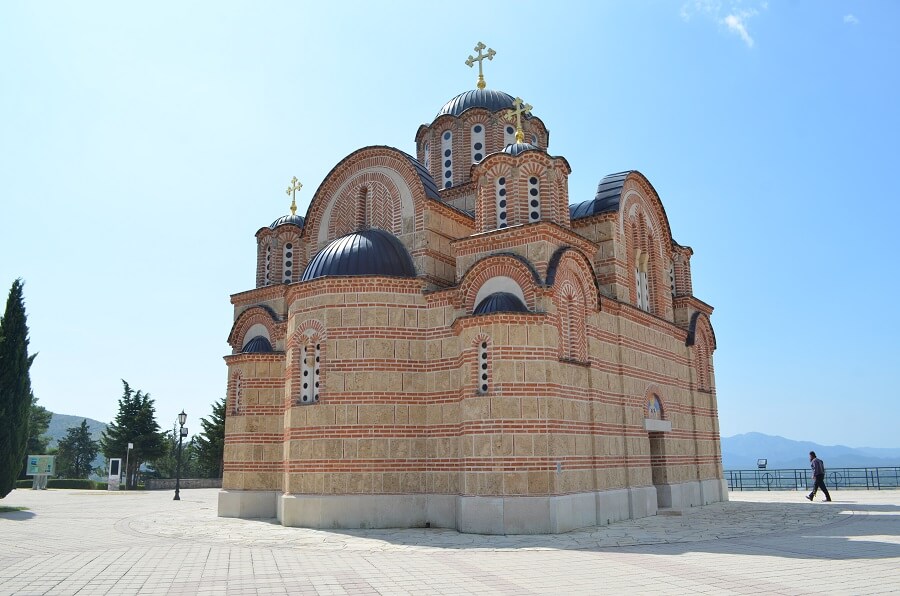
{"x": 515, "y": 113}
{"x": 479, "y": 58}
{"x": 291, "y": 191}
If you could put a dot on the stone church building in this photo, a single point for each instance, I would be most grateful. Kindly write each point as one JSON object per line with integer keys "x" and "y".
{"x": 448, "y": 340}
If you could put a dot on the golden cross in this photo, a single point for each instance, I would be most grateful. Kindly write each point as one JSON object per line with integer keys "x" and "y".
{"x": 516, "y": 114}
{"x": 479, "y": 59}
{"x": 292, "y": 192}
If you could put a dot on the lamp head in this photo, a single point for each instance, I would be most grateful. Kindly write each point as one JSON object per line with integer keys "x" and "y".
{"x": 182, "y": 418}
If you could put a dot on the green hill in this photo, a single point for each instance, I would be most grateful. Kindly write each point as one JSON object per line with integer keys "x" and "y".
{"x": 60, "y": 423}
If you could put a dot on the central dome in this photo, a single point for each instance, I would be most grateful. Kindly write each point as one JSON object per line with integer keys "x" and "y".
{"x": 477, "y": 98}
{"x": 367, "y": 252}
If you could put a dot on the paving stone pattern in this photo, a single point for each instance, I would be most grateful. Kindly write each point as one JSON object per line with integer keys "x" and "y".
{"x": 92, "y": 542}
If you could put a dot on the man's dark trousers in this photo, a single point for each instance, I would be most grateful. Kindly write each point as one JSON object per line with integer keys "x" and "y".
{"x": 819, "y": 483}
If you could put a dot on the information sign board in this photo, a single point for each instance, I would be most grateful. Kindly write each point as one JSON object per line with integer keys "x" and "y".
{"x": 40, "y": 465}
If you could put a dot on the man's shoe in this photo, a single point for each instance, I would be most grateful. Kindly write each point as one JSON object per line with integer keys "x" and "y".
{"x": 809, "y": 497}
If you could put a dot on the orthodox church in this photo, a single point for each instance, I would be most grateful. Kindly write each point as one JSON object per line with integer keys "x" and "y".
{"x": 446, "y": 339}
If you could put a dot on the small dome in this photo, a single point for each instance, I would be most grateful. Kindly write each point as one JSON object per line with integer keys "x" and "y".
{"x": 258, "y": 344}
{"x": 500, "y": 302}
{"x": 367, "y": 252}
{"x": 517, "y": 148}
{"x": 294, "y": 220}
{"x": 477, "y": 98}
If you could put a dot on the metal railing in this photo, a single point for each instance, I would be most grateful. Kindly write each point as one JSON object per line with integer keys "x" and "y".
{"x": 799, "y": 479}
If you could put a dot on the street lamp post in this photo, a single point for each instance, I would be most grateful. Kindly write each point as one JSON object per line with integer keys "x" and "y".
{"x": 182, "y": 418}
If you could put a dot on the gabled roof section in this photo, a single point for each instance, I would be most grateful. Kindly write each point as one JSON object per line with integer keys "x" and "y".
{"x": 431, "y": 189}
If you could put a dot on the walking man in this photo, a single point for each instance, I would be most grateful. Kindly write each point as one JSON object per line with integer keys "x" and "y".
{"x": 818, "y": 474}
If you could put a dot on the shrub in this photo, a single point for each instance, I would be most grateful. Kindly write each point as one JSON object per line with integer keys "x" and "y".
{"x": 76, "y": 483}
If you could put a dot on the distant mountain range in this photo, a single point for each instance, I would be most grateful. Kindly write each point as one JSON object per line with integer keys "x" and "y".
{"x": 740, "y": 452}
{"x": 60, "y": 423}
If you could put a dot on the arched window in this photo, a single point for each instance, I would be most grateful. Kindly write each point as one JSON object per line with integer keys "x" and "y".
{"x": 641, "y": 281}
{"x": 447, "y": 156}
{"x": 672, "y": 279}
{"x": 477, "y": 143}
{"x": 288, "y": 263}
{"x": 502, "y": 213}
{"x": 572, "y": 322}
{"x": 426, "y": 152}
{"x": 534, "y": 199}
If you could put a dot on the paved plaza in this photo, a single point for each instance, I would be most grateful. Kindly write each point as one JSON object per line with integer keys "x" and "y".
{"x": 92, "y": 542}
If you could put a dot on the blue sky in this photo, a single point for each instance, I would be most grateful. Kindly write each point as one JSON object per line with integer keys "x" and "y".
{"x": 142, "y": 145}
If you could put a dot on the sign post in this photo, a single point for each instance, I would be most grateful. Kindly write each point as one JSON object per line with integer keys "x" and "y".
{"x": 115, "y": 470}
{"x": 41, "y": 467}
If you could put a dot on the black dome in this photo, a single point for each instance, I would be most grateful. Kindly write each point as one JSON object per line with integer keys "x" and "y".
{"x": 257, "y": 345}
{"x": 477, "y": 98}
{"x": 500, "y": 302}
{"x": 367, "y": 252}
{"x": 294, "y": 220}
{"x": 517, "y": 148}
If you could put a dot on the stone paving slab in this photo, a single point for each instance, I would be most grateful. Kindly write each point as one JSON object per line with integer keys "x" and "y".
{"x": 94, "y": 542}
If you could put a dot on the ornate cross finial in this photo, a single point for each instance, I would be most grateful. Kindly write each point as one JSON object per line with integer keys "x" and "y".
{"x": 479, "y": 58}
{"x": 516, "y": 114}
{"x": 292, "y": 192}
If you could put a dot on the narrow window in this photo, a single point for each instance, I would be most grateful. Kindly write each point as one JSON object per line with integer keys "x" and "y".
{"x": 306, "y": 376}
{"x": 238, "y": 382}
{"x": 641, "y": 283}
{"x": 317, "y": 352}
{"x": 483, "y": 370}
{"x": 267, "y": 277}
{"x": 426, "y": 151}
{"x": 509, "y": 135}
{"x": 501, "y": 202}
{"x": 534, "y": 199}
{"x": 477, "y": 143}
{"x": 288, "y": 263}
{"x": 447, "y": 156}
{"x": 672, "y": 279}
{"x": 534, "y": 140}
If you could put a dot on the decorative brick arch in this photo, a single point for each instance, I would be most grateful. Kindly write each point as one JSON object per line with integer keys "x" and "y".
{"x": 252, "y": 316}
{"x": 508, "y": 265}
{"x": 571, "y": 319}
{"x": 570, "y": 263}
{"x": 338, "y": 196}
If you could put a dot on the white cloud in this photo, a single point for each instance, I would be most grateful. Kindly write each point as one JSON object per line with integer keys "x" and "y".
{"x": 736, "y": 14}
{"x": 851, "y": 20}
{"x": 735, "y": 23}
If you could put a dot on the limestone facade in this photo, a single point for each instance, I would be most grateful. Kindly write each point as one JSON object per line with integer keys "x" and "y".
{"x": 386, "y": 400}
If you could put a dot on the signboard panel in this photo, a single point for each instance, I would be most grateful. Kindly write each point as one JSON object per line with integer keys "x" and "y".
{"x": 41, "y": 464}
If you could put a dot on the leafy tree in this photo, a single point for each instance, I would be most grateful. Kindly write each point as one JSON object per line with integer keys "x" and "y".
{"x": 77, "y": 451}
{"x": 211, "y": 443}
{"x": 135, "y": 423}
{"x": 15, "y": 388}
{"x": 165, "y": 465}
{"x": 38, "y": 423}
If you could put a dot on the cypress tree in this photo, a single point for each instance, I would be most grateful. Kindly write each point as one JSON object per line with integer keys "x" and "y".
{"x": 15, "y": 388}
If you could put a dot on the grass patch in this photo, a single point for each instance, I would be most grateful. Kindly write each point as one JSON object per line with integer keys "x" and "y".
{"x": 4, "y": 509}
